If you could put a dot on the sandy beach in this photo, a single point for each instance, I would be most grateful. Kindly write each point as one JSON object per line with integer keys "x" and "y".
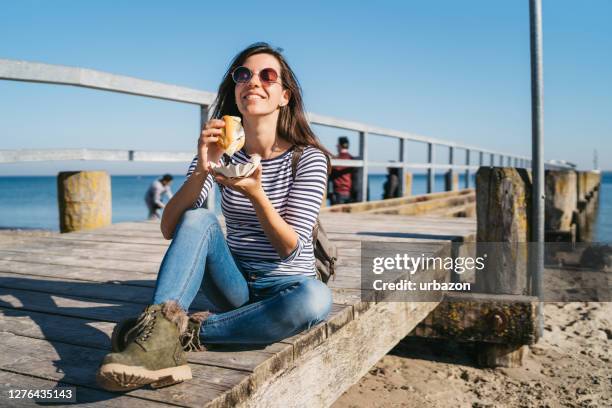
{"x": 569, "y": 367}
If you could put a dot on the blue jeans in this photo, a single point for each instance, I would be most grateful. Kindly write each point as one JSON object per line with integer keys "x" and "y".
{"x": 258, "y": 309}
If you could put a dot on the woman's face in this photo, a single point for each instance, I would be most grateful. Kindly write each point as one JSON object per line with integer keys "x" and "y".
{"x": 257, "y": 98}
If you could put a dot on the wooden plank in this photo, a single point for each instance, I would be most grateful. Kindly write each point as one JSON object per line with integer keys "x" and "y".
{"x": 340, "y": 316}
{"x": 90, "y": 290}
{"x": 116, "y": 239}
{"x": 77, "y": 273}
{"x": 103, "y": 253}
{"x": 261, "y": 360}
{"x": 85, "y": 397}
{"x": 366, "y": 207}
{"x": 52, "y": 242}
{"x": 370, "y": 337}
{"x": 109, "y": 311}
{"x": 112, "y": 231}
{"x": 424, "y": 207}
{"x": 77, "y": 365}
{"x": 86, "y": 262}
{"x": 144, "y": 225}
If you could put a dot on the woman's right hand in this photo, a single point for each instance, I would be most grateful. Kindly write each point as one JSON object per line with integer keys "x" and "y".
{"x": 208, "y": 149}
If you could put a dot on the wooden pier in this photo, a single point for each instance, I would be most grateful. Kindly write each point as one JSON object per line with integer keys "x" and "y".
{"x": 60, "y": 297}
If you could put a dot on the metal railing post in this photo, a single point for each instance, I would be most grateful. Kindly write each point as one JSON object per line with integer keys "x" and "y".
{"x": 537, "y": 149}
{"x": 467, "y": 169}
{"x": 210, "y": 199}
{"x": 430, "y": 169}
{"x": 402, "y": 159}
{"x": 449, "y": 175}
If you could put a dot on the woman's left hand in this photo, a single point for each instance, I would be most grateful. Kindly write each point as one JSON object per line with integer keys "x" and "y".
{"x": 248, "y": 186}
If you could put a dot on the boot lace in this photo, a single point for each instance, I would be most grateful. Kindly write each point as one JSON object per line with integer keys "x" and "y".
{"x": 190, "y": 340}
{"x": 144, "y": 326}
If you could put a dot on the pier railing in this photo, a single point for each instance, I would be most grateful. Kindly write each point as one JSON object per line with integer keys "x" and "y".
{"x": 87, "y": 78}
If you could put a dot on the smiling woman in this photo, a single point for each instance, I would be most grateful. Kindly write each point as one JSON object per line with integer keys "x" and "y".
{"x": 261, "y": 280}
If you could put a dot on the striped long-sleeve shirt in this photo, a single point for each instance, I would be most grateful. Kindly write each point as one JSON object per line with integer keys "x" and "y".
{"x": 297, "y": 201}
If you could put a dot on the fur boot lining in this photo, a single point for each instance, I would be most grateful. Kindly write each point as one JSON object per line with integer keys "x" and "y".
{"x": 199, "y": 316}
{"x": 173, "y": 312}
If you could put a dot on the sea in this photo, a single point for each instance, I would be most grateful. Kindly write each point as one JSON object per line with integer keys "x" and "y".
{"x": 30, "y": 202}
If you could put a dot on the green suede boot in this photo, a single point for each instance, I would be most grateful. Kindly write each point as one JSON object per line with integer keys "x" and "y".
{"x": 190, "y": 340}
{"x": 153, "y": 354}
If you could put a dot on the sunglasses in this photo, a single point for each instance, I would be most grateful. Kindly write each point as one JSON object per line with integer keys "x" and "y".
{"x": 242, "y": 75}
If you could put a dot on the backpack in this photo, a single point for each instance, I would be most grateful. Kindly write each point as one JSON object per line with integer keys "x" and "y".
{"x": 326, "y": 253}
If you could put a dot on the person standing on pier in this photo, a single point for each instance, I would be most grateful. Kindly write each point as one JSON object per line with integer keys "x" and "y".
{"x": 260, "y": 281}
{"x": 391, "y": 187}
{"x": 341, "y": 175}
{"x": 153, "y": 197}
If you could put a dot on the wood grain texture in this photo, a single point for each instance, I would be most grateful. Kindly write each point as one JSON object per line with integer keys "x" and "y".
{"x": 342, "y": 359}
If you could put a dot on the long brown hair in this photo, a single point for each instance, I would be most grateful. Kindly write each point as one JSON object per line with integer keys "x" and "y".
{"x": 292, "y": 123}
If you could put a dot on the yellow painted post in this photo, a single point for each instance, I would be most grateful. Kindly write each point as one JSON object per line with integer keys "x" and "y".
{"x": 407, "y": 184}
{"x": 84, "y": 200}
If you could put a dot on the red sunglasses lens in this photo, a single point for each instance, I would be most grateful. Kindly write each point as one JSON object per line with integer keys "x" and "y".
{"x": 268, "y": 75}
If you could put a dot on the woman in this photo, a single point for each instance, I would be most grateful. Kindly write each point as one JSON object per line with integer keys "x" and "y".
{"x": 262, "y": 280}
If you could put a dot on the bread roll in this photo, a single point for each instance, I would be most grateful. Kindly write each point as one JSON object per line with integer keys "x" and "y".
{"x": 232, "y": 135}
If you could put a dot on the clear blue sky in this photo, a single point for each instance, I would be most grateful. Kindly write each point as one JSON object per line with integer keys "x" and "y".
{"x": 454, "y": 70}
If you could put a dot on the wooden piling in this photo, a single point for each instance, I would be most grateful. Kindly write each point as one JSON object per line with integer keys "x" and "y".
{"x": 503, "y": 202}
{"x": 84, "y": 200}
{"x": 588, "y": 183}
{"x": 560, "y": 205}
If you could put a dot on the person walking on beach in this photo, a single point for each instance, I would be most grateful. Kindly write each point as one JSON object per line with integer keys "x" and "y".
{"x": 153, "y": 196}
{"x": 341, "y": 176}
{"x": 261, "y": 280}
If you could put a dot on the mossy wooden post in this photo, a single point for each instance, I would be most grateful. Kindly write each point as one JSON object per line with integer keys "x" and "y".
{"x": 593, "y": 180}
{"x": 451, "y": 181}
{"x": 503, "y": 202}
{"x": 588, "y": 202}
{"x": 561, "y": 203}
{"x": 84, "y": 200}
{"x": 581, "y": 206}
